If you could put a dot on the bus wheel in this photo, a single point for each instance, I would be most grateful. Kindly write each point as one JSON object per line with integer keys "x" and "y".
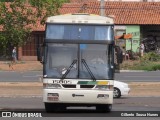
{"x": 104, "y": 108}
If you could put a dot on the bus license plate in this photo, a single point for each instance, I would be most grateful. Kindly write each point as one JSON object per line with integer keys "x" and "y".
{"x": 54, "y": 98}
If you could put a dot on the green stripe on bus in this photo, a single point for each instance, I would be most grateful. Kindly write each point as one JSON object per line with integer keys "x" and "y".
{"x": 87, "y": 82}
{"x": 83, "y": 82}
{"x": 93, "y": 82}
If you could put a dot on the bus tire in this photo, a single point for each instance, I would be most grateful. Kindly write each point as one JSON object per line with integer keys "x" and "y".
{"x": 104, "y": 108}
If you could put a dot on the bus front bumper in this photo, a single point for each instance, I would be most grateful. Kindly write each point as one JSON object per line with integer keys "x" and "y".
{"x": 77, "y": 96}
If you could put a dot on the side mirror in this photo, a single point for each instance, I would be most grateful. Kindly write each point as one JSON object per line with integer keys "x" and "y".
{"x": 40, "y": 54}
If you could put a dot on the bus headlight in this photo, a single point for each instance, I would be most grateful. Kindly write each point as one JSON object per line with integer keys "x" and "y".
{"x": 103, "y": 96}
{"x": 102, "y": 87}
{"x": 51, "y": 86}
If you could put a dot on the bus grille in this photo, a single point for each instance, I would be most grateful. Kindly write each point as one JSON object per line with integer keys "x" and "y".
{"x": 68, "y": 86}
{"x": 87, "y": 86}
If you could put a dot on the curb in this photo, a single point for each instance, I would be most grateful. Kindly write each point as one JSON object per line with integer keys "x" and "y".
{"x": 133, "y": 71}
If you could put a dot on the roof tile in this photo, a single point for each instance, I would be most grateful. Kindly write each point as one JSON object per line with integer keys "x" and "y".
{"x": 124, "y": 12}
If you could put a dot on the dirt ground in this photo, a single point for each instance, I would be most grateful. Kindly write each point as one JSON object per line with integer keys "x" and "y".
{"x": 20, "y": 66}
{"x": 20, "y": 89}
{"x": 16, "y": 88}
{"x": 145, "y": 89}
{"x": 35, "y": 88}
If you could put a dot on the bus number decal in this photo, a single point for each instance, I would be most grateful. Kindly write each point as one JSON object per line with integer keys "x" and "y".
{"x": 62, "y": 82}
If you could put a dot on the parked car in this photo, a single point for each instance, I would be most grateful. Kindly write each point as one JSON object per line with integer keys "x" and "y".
{"x": 120, "y": 89}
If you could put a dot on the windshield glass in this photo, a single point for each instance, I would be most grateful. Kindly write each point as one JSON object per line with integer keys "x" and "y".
{"x": 97, "y": 59}
{"x": 59, "y": 59}
{"x": 81, "y": 61}
{"x": 79, "y": 32}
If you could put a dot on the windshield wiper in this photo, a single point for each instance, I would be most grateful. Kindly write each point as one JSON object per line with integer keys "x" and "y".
{"x": 69, "y": 69}
{"x": 88, "y": 69}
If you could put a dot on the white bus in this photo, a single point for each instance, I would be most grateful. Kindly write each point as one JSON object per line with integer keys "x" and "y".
{"x": 78, "y": 62}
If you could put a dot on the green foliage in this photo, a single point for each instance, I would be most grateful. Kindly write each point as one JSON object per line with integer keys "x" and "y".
{"x": 18, "y": 18}
{"x": 14, "y": 21}
{"x": 149, "y": 62}
{"x": 151, "y": 56}
{"x": 6, "y": 0}
{"x": 156, "y": 67}
{"x": 46, "y": 8}
{"x": 150, "y": 66}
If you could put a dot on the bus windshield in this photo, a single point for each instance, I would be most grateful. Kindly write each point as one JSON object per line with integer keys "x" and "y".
{"x": 79, "y": 32}
{"x": 78, "y": 61}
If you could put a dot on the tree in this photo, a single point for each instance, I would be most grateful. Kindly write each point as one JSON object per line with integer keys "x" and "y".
{"x": 18, "y": 18}
{"x": 15, "y": 24}
{"x": 46, "y": 8}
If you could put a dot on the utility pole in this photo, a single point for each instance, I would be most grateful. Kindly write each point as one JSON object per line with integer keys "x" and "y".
{"x": 102, "y": 8}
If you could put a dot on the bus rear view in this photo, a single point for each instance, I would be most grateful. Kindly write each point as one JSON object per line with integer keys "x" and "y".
{"x": 78, "y": 62}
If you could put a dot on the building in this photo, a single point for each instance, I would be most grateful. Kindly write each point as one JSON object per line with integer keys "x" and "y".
{"x": 140, "y": 19}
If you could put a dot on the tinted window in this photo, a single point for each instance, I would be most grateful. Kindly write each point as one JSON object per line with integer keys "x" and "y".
{"x": 79, "y": 32}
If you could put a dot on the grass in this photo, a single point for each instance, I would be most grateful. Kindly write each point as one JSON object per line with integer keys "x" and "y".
{"x": 140, "y": 65}
{"x": 148, "y": 66}
{"x": 149, "y": 62}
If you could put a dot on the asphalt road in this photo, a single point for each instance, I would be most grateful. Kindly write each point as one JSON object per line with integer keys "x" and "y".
{"x": 122, "y": 106}
{"x": 34, "y": 76}
{"x": 13, "y": 76}
{"x": 152, "y": 76}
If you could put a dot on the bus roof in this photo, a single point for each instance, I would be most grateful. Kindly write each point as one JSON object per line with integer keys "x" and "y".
{"x": 80, "y": 19}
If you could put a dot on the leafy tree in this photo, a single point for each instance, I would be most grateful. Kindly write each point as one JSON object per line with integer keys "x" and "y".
{"x": 18, "y": 18}
{"x": 46, "y": 8}
{"x": 15, "y": 24}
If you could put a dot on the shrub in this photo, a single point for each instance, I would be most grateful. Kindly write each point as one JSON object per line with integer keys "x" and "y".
{"x": 151, "y": 56}
{"x": 156, "y": 67}
{"x": 149, "y": 66}
{"x": 149, "y": 62}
